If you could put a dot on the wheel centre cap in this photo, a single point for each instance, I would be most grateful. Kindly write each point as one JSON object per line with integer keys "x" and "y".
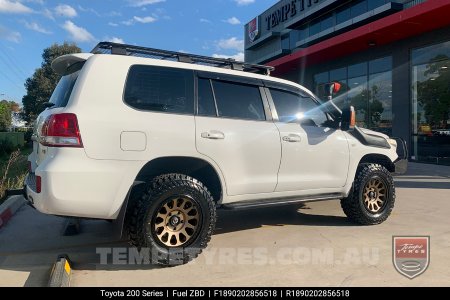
{"x": 174, "y": 220}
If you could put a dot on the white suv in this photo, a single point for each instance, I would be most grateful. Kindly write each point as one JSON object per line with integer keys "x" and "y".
{"x": 162, "y": 143}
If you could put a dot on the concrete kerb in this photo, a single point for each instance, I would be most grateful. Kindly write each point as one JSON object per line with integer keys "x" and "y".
{"x": 61, "y": 271}
{"x": 9, "y": 208}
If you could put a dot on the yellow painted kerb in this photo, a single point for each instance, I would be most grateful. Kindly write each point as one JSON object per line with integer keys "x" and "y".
{"x": 67, "y": 267}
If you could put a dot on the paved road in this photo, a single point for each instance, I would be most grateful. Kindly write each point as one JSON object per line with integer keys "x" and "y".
{"x": 310, "y": 245}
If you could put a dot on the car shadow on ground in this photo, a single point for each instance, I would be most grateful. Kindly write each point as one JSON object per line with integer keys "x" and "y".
{"x": 299, "y": 214}
{"x": 42, "y": 239}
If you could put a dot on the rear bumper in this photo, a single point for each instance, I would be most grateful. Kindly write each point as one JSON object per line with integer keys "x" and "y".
{"x": 74, "y": 185}
{"x": 401, "y": 164}
{"x": 29, "y": 189}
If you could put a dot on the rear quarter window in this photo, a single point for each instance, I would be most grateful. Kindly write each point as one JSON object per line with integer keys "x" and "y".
{"x": 63, "y": 90}
{"x": 160, "y": 89}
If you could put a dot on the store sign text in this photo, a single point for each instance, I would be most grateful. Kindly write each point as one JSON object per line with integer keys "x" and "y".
{"x": 287, "y": 11}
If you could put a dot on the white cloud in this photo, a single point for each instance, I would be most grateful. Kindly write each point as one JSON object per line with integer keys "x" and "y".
{"x": 47, "y": 13}
{"x": 232, "y": 43}
{"x": 14, "y": 7}
{"x": 244, "y": 2}
{"x": 78, "y": 34}
{"x": 144, "y": 20}
{"x": 113, "y": 24}
{"x": 114, "y": 40}
{"x": 202, "y": 20}
{"x": 36, "y": 27}
{"x": 128, "y": 22}
{"x": 9, "y": 35}
{"x": 88, "y": 9}
{"x": 65, "y": 10}
{"x": 238, "y": 56}
{"x": 140, "y": 3}
{"x": 233, "y": 21}
{"x": 113, "y": 13}
{"x": 41, "y": 2}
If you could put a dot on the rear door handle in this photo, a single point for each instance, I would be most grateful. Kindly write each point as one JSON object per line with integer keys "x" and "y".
{"x": 213, "y": 135}
{"x": 292, "y": 138}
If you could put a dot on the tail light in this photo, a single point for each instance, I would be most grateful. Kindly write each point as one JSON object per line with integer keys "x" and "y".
{"x": 38, "y": 184}
{"x": 61, "y": 130}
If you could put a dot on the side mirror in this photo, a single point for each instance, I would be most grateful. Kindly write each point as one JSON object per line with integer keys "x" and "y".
{"x": 332, "y": 88}
{"x": 348, "y": 120}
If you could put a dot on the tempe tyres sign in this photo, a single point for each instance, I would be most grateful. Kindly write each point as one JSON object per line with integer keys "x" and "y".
{"x": 277, "y": 15}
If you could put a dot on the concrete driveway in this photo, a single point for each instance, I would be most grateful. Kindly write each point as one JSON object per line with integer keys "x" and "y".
{"x": 302, "y": 245}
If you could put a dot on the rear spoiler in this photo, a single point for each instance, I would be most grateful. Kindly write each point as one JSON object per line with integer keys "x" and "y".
{"x": 62, "y": 64}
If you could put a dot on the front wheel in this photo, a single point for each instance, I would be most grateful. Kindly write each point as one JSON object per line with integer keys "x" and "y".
{"x": 174, "y": 218}
{"x": 372, "y": 197}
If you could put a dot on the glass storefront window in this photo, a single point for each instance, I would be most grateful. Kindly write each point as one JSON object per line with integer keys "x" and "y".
{"x": 343, "y": 14}
{"x": 430, "y": 53}
{"x": 293, "y": 38}
{"x": 303, "y": 32}
{"x": 319, "y": 81}
{"x": 380, "y": 102}
{"x": 368, "y": 87}
{"x": 357, "y": 70}
{"x": 431, "y": 104}
{"x": 285, "y": 41}
{"x": 327, "y": 22}
{"x": 375, "y": 3}
{"x": 357, "y": 96}
{"x": 314, "y": 27}
{"x": 359, "y": 8}
{"x": 380, "y": 65}
{"x": 340, "y": 76}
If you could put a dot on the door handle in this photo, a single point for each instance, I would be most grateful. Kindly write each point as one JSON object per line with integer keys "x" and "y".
{"x": 213, "y": 135}
{"x": 292, "y": 138}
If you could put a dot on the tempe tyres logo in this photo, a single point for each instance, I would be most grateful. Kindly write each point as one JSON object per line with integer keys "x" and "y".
{"x": 253, "y": 29}
{"x": 411, "y": 254}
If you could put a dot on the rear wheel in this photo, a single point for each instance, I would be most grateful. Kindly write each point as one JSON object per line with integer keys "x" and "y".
{"x": 372, "y": 197}
{"x": 174, "y": 217}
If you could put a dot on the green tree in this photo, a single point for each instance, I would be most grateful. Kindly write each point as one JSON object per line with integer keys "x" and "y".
{"x": 41, "y": 84}
{"x": 5, "y": 115}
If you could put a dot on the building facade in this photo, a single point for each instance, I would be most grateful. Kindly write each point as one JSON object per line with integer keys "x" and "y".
{"x": 392, "y": 59}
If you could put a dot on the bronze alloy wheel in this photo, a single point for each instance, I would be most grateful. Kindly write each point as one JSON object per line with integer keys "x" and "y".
{"x": 374, "y": 195}
{"x": 176, "y": 222}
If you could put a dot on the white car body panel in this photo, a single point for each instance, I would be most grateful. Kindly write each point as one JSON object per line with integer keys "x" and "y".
{"x": 249, "y": 155}
{"x": 119, "y": 141}
{"x": 318, "y": 160}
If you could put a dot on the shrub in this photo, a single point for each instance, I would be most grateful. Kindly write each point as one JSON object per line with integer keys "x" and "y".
{"x": 28, "y": 135}
{"x": 11, "y": 183}
{"x": 6, "y": 147}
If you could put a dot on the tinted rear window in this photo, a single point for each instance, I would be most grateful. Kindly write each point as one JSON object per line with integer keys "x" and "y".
{"x": 160, "y": 89}
{"x": 206, "y": 105}
{"x": 63, "y": 90}
{"x": 238, "y": 101}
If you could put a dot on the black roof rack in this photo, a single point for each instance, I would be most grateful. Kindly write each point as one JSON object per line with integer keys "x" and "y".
{"x": 228, "y": 63}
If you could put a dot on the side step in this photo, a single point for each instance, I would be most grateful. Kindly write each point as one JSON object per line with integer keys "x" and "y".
{"x": 279, "y": 201}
